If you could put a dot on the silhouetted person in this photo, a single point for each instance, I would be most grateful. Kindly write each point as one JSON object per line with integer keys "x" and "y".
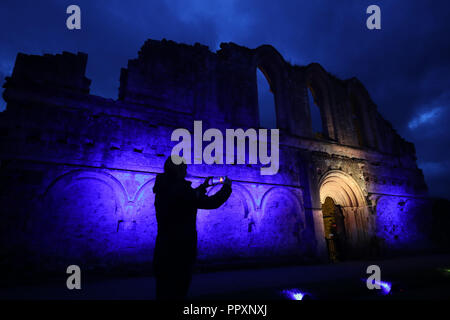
{"x": 176, "y": 204}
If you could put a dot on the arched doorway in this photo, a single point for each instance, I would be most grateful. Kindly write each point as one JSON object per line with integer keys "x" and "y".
{"x": 345, "y": 215}
{"x": 334, "y": 230}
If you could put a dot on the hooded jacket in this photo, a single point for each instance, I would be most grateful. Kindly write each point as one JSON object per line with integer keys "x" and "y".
{"x": 176, "y": 204}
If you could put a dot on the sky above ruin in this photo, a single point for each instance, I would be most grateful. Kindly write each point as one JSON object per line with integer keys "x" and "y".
{"x": 405, "y": 66}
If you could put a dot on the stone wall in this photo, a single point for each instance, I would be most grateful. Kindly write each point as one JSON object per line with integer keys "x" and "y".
{"x": 77, "y": 170}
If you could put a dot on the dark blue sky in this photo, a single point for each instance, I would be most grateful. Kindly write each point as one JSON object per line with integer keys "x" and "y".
{"x": 405, "y": 66}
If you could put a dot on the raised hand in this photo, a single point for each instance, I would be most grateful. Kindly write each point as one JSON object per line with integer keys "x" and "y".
{"x": 206, "y": 183}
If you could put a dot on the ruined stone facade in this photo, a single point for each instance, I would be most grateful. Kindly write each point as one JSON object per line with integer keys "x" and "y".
{"x": 77, "y": 170}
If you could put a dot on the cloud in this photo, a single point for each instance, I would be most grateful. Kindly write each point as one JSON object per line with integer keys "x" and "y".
{"x": 425, "y": 117}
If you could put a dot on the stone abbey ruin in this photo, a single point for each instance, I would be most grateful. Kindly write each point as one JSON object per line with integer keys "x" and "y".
{"x": 77, "y": 170}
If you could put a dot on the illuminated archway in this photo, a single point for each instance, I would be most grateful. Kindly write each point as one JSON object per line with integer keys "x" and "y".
{"x": 346, "y": 193}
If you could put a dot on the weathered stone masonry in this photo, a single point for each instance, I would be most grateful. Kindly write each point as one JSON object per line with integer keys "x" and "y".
{"x": 77, "y": 170}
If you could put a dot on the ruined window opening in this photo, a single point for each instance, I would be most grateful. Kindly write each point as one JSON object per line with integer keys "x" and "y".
{"x": 316, "y": 116}
{"x": 266, "y": 101}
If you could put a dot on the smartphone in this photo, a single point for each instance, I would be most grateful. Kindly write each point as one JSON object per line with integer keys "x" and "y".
{"x": 217, "y": 180}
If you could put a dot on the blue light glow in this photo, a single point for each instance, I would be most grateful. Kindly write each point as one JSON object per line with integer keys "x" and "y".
{"x": 385, "y": 286}
{"x": 293, "y": 294}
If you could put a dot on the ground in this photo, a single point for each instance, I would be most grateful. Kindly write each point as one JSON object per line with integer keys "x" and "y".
{"x": 418, "y": 277}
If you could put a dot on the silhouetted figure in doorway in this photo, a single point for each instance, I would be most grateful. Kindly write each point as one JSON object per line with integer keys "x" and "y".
{"x": 176, "y": 204}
